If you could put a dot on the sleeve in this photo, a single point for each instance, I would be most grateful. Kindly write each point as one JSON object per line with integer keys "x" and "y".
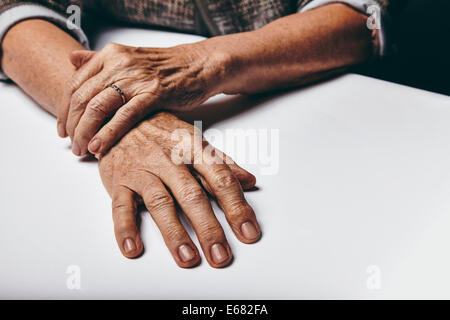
{"x": 13, "y": 13}
{"x": 378, "y": 18}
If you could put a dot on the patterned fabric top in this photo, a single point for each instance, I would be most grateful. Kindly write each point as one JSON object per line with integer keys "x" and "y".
{"x": 207, "y": 17}
{"x": 176, "y": 14}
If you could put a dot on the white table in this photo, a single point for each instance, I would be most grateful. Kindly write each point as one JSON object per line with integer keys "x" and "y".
{"x": 362, "y": 193}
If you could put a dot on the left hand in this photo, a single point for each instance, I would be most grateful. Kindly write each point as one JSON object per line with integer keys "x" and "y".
{"x": 175, "y": 78}
{"x": 144, "y": 167}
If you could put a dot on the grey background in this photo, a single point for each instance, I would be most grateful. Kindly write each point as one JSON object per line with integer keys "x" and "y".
{"x": 364, "y": 180}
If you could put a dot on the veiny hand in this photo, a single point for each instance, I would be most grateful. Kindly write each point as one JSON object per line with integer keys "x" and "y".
{"x": 175, "y": 78}
{"x": 141, "y": 167}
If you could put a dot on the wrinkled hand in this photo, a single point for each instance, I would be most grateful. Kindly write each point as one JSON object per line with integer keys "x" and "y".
{"x": 146, "y": 165}
{"x": 175, "y": 78}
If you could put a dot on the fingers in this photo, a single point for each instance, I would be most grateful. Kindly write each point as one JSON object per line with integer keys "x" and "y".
{"x": 246, "y": 179}
{"x": 124, "y": 217}
{"x": 202, "y": 181}
{"x": 123, "y": 120}
{"x": 230, "y": 196}
{"x": 195, "y": 204}
{"x": 162, "y": 209}
{"x": 86, "y": 117}
{"x": 81, "y": 98}
{"x": 85, "y": 72}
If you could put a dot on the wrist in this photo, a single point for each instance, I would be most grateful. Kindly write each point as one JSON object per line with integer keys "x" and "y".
{"x": 227, "y": 57}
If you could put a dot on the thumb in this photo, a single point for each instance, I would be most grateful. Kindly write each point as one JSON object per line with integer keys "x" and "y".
{"x": 80, "y": 57}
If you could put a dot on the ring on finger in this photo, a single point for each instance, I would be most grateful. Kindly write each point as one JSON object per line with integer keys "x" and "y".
{"x": 120, "y": 92}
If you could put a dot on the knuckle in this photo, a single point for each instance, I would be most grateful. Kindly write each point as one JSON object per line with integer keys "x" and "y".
{"x": 159, "y": 201}
{"x": 111, "y": 46}
{"x": 128, "y": 115}
{"x": 73, "y": 84}
{"x": 76, "y": 100}
{"x": 175, "y": 235}
{"x": 117, "y": 204}
{"x": 210, "y": 233}
{"x": 224, "y": 180}
{"x": 239, "y": 211}
{"x": 123, "y": 222}
{"x": 192, "y": 194}
{"x": 124, "y": 60}
{"x": 124, "y": 226}
{"x": 97, "y": 109}
{"x": 120, "y": 207}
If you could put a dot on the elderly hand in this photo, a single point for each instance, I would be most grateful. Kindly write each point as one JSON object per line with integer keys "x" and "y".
{"x": 142, "y": 166}
{"x": 150, "y": 79}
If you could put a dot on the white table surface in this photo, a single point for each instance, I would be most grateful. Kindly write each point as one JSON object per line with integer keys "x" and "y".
{"x": 364, "y": 180}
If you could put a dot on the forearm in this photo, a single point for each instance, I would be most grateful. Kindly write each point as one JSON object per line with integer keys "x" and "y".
{"x": 35, "y": 56}
{"x": 294, "y": 50}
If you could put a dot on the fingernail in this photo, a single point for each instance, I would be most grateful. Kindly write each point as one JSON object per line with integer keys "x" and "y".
{"x": 76, "y": 149}
{"x": 186, "y": 253}
{"x": 249, "y": 230}
{"x": 129, "y": 245}
{"x": 219, "y": 253}
{"x": 94, "y": 146}
{"x": 61, "y": 130}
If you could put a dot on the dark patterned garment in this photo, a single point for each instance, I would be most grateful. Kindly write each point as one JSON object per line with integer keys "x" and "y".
{"x": 203, "y": 17}
{"x": 207, "y": 17}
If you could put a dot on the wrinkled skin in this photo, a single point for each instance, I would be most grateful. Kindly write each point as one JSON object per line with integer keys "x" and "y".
{"x": 140, "y": 168}
{"x": 175, "y": 78}
{"x": 290, "y": 51}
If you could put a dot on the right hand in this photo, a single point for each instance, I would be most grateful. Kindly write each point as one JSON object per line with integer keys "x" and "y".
{"x": 140, "y": 168}
{"x": 96, "y": 116}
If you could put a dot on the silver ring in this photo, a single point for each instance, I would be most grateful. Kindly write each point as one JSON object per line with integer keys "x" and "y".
{"x": 119, "y": 91}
